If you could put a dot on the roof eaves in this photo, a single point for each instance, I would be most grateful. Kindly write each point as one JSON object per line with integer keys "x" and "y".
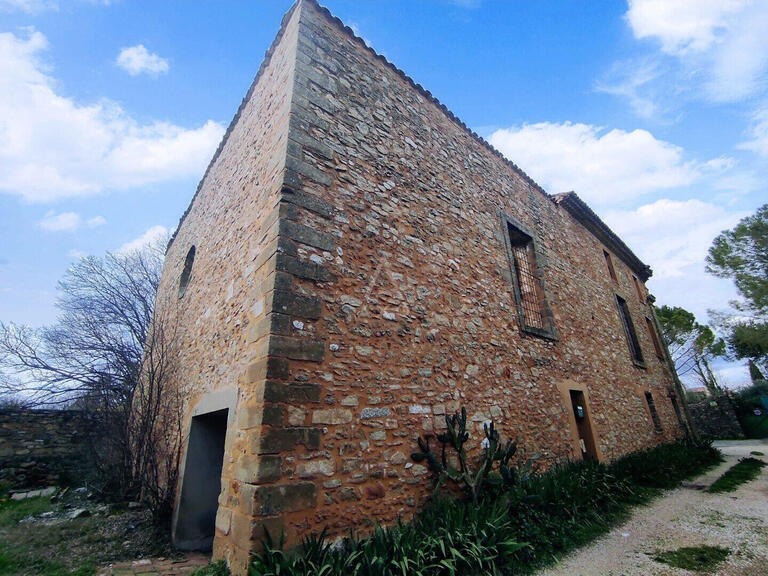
{"x": 592, "y": 222}
{"x": 428, "y": 95}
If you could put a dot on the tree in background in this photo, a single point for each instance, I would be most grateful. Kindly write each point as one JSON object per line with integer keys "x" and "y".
{"x": 691, "y": 345}
{"x": 108, "y": 354}
{"x": 741, "y": 254}
{"x": 755, "y": 374}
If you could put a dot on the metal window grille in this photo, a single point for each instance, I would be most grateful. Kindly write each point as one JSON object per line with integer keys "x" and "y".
{"x": 528, "y": 282}
{"x": 654, "y": 414}
{"x": 629, "y": 329}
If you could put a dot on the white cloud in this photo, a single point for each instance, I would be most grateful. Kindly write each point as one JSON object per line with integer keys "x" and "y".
{"x": 36, "y": 6}
{"x": 138, "y": 60}
{"x": 682, "y": 26}
{"x": 76, "y": 254}
{"x": 63, "y": 222}
{"x": 153, "y": 235}
{"x": 628, "y": 80}
{"x": 29, "y": 6}
{"x": 721, "y": 41}
{"x": 68, "y": 221}
{"x": 673, "y": 237}
{"x": 601, "y": 165}
{"x": 758, "y": 132}
{"x": 54, "y": 147}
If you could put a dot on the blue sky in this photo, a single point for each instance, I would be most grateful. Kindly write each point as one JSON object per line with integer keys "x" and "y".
{"x": 654, "y": 111}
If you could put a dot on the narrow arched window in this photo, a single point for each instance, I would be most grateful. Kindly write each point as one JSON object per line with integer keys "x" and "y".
{"x": 187, "y": 271}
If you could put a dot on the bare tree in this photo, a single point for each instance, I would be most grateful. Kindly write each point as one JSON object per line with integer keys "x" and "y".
{"x": 691, "y": 345}
{"x": 108, "y": 353}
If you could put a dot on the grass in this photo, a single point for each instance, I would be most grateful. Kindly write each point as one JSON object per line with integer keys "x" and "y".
{"x": 756, "y": 453}
{"x": 70, "y": 547}
{"x": 214, "y": 569}
{"x": 745, "y": 470}
{"x": 517, "y": 528}
{"x": 694, "y": 558}
{"x": 14, "y": 559}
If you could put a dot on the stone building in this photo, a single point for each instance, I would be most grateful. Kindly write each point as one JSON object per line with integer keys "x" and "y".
{"x": 355, "y": 264}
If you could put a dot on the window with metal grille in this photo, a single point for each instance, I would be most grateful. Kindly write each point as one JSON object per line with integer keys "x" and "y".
{"x": 654, "y": 414}
{"x": 529, "y": 293}
{"x": 629, "y": 330}
{"x": 609, "y": 264}
{"x": 654, "y": 338}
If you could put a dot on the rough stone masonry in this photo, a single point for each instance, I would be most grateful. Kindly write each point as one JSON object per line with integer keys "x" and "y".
{"x": 355, "y": 264}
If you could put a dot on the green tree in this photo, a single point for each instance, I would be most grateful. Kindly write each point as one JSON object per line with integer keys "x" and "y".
{"x": 691, "y": 345}
{"x": 741, "y": 254}
{"x": 755, "y": 374}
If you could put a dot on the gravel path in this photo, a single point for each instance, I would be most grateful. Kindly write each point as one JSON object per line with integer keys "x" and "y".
{"x": 687, "y": 516}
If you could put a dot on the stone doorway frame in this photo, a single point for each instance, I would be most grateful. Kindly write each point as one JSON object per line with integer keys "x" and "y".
{"x": 209, "y": 403}
{"x": 564, "y": 388}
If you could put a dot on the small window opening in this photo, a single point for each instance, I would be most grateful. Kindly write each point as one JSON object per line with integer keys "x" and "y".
{"x": 638, "y": 289}
{"x": 654, "y": 414}
{"x": 187, "y": 271}
{"x": 629, "y": 330}
{"x": 655, "y": 338}
{"x": 529, "y": 292}
{"x": 609, "y": 264}
{"x": 676, "y": 408}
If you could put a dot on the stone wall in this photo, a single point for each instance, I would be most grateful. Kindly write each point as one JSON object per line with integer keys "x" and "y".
{"x": 715, "y": 418}
{"x": 420, "y": 317}
{"x": 232, "y": 225}
{"x": 45, "y": 447}
{"x": 351, "y": 284}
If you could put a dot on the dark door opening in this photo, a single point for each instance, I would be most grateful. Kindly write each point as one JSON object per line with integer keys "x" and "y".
{"x": 583, "y": 425}
{"x": 201, "y": 485}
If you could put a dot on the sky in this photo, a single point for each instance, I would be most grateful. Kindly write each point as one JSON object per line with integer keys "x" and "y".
{"x": 654, "y": 111}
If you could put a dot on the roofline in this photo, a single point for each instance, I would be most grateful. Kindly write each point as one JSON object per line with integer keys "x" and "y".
{"x": 592, "y": 222}
{"x": 569, "y": 200}
{"x": 418, "y": 87}
{"x": 428, "y": 95}
{"x": 267, "y": 59}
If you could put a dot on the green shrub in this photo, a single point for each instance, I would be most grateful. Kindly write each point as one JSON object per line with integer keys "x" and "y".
{"x": 213, "y": 569}
{"x": 667, "y": 465}
{"x": 515, "y": 529}
{"x": 448, "y": 537}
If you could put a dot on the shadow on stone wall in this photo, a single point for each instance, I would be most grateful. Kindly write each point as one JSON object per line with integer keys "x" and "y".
{"x": 715, "y": 418}
{"x": 47, "y": 447}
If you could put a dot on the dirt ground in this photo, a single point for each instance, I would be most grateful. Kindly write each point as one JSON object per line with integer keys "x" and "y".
{"x": 688, "y": 516}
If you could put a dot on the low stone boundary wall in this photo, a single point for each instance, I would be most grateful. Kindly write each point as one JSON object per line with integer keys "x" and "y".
{"x": 715, "y": 418}
{"x": 45, "y": 447}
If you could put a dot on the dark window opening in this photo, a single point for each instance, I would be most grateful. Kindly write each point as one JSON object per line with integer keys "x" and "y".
{"x": 529, "y": 293}
{"x": 629, "y": 330}
{"x": 609, "y": 264}
{"x": 638, "y": 289}
{"x": 654, "y": 414}
{"x": 655, "y": 338}
{"x": 676, "y": 408}
{"x": 187, "y": 271}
